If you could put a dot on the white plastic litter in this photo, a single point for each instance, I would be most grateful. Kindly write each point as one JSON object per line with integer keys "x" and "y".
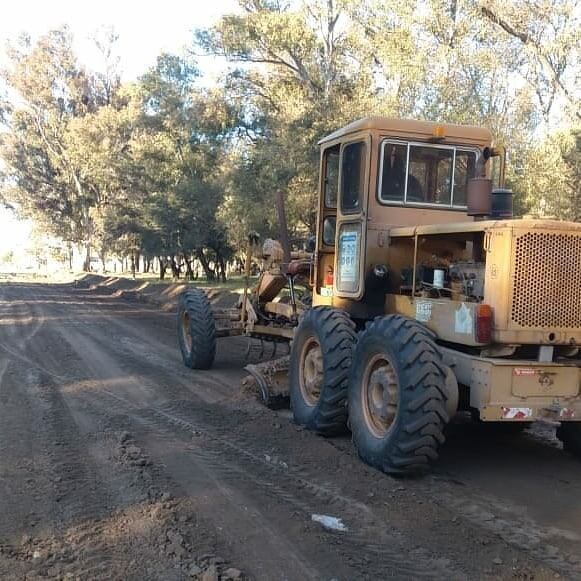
{"x": 329, "y": 522}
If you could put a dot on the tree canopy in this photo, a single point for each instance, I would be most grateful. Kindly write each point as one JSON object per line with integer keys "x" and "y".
{"x": 167, "y": 167}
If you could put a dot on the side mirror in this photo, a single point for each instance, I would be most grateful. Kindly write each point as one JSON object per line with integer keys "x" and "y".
{"x": 310, "y": 245}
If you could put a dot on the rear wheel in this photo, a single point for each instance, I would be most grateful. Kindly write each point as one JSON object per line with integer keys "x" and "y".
{"x": 397, "y": 396}
{"x": 319, "y": 369}
{"x": 196, "y": 329}
{"x": 570, "y": 434}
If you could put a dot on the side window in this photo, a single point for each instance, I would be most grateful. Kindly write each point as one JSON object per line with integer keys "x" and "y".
{"x": 329, "y": 226}
{"x": 353, "y": 176}
{"x": 393, "y": 170}
{"x": 331, "y": 183}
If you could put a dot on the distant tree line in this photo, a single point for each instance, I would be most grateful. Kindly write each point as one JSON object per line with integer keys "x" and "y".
{"x": 166, "y": 168}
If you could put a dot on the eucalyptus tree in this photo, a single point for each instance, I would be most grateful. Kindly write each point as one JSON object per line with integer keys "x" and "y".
{"x": 49, "y": 93}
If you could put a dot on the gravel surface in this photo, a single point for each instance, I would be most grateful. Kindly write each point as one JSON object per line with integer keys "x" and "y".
{"x": 117, "y": 462}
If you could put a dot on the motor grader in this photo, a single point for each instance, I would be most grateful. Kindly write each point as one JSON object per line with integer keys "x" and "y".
{"x": 427, "y": 298}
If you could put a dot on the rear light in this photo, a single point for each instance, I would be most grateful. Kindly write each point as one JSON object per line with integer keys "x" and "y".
{"x": 329, "y": 278}
{"x": 483, "y": 324}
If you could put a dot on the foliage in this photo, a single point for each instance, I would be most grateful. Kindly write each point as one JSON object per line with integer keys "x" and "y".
{"x": 165, "y": 167}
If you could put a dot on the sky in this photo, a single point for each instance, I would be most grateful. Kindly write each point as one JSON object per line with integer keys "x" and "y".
{"x": 145, "y": 30}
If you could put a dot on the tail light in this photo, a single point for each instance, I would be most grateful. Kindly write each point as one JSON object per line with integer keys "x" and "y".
{"x": 483, "y": 323}
{"x": 329, "y": 278}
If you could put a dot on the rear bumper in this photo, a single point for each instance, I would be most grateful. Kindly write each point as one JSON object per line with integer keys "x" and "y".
{"x": 508, "y": 390}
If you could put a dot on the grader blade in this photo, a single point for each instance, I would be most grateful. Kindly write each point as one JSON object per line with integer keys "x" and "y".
{"x": 270, "y": 381}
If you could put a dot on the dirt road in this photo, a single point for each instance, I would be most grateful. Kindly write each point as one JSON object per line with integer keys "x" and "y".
{"x": 116, "y": 462}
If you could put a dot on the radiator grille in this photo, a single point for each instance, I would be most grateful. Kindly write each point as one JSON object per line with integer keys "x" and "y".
{"x": 547, "y": 280}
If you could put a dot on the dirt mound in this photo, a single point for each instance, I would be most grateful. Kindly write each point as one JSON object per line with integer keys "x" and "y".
{"x": 163, "y": 295}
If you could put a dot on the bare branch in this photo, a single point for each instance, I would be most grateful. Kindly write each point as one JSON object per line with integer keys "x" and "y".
{"x": 553, "y": 73}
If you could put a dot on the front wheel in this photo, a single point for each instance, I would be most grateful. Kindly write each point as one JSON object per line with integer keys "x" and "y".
{"x": 196, "y": 329}
{"x": 397, "y": 396}
{"x": 319, "y": 370}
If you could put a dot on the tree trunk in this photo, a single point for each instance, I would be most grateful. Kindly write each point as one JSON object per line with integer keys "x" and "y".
{"x": 189, "y": 271}
{"x": 205, "y": 265}
{"x": 221, "y": 267}
{"x": 162, "y": 267}
{"x": 87, "y": 261}
{"x": 175, "y": 268}
{"x": 104, "y": 261}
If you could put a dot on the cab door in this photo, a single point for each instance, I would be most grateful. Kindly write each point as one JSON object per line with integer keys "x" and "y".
{"x": 351, "y": 217}
{"x": 326, "y": 225}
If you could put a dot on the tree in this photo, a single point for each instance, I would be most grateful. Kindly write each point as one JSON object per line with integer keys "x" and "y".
{"x": 43, "y": 174}
{"x": 311, "y": 67}
{"x": 549, "y": 177}
{"x": 550, "y": 33}
{"x": 181, "y": 141}
{"x": 306, "y": 79}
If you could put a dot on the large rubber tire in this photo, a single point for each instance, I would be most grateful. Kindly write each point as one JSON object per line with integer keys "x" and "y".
{"x": 332, "y": 332}
{"x": 570, "y": 434}
{"x": 403, "y": 353}
{"x": 196, "y": 329}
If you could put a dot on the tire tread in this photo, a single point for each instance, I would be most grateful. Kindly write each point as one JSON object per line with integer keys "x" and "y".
{"x": 202, "y": 329}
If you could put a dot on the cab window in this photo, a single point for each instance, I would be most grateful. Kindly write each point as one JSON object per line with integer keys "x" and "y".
{"x": 425, "y": 174}
{"x": 353, "y": 176}
{"x": 430, "y": 175}
{"x": 331, "y": 180}
{"x": 393, "y": 172}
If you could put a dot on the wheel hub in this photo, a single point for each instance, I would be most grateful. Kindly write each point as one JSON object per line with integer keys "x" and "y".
{"x": 186, "y": 332}
{"x": 311, "y": 376}
{"x": 380, "y": 395}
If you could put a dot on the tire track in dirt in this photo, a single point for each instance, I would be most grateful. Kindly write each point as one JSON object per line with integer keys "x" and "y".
{"x": 66, "y": 465}
{"x": 482, "y": 510}
{"x": 508, "y": 529}
{"x": 225, "y": 457}
{"x": 192, "y": 428}
{"x": 388, "y": 547}
{"x": 99, "y": 369}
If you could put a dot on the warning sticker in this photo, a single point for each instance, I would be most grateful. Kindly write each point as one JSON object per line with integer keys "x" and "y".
{"x": 463, "y": 320}
{"x": 516, "y": 413}
{"x": 423, "y": 311}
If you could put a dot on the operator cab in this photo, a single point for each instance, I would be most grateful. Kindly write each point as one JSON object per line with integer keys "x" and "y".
{"x": 378, "y": 173}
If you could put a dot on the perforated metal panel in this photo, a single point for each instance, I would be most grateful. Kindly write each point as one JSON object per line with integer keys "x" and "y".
{"x": 547, "y": 280}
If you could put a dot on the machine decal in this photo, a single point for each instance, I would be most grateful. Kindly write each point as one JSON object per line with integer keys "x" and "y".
{"x": 463, "y": 320}
{"x": 423, "y": 311}
{"x": 520, "y": 371}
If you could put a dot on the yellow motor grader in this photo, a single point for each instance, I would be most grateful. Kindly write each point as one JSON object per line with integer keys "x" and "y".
{"x": 426, "y": 298}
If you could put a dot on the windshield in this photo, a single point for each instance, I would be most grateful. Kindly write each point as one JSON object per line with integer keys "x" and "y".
{"x": 425, "y": 174}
